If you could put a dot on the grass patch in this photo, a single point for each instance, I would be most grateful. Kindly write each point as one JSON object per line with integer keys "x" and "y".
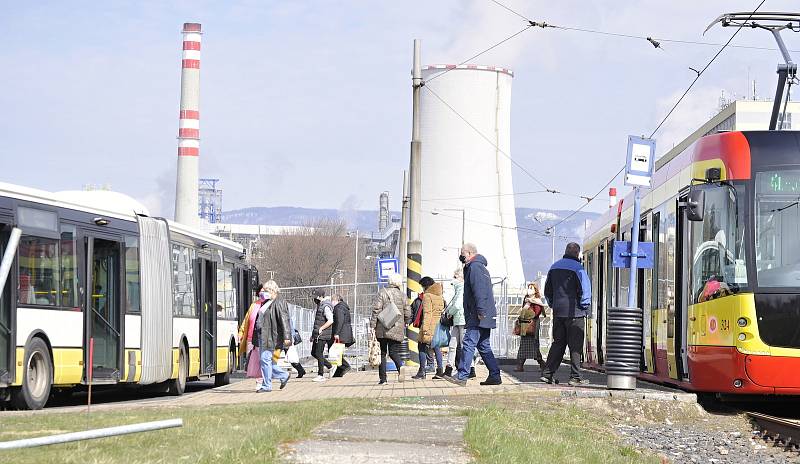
{"x": 241, "y": 433}
{"x": 553, "y": 433}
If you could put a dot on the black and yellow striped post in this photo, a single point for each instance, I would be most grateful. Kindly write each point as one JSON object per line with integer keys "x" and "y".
{"x": 413, "y": 288}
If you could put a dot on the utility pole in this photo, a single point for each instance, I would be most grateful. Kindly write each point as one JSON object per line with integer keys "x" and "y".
{"x": 403, "y": 251}
{"x": 414, "y": 256}
{"x": 355, "y": 278}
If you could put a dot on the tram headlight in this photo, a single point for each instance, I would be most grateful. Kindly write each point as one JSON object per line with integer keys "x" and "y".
{"x": 742, "y": 322}
{"x": 742, "y": 337}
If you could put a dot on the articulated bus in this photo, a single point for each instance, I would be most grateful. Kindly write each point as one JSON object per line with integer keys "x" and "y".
{"x": 158, "y": 302}
{"x": 722, "y": 304}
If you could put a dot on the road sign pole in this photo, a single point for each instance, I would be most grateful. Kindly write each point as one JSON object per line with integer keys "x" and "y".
{"x": 634, "y": 250}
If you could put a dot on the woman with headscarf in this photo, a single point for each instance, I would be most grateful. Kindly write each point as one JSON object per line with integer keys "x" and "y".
{"x": 528, "y": 323}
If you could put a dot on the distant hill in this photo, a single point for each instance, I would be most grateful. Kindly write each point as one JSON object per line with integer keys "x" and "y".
{"x": 536, "y": 249}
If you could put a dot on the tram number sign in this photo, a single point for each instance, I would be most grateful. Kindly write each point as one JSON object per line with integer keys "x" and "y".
{"x": 622, "y": 255}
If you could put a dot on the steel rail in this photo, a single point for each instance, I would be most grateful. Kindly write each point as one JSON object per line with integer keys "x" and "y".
{"x": 778, "y": 428}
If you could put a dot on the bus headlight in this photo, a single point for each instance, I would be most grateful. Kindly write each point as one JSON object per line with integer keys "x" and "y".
{"x": 742, "y": 322}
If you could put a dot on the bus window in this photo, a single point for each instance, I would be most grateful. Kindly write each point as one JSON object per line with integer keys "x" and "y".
{"x": 226, "y": 294}
{"x": 132, "y": 283}
{"x": 69, "y": 266}
{"x": 183, "y": 259}
{"x": 38, "y": 271}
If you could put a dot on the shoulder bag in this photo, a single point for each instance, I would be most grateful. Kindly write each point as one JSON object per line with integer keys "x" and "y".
{"x": 389, "y": 314}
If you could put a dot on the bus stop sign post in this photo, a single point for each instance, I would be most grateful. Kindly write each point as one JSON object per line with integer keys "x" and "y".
{"x": 625, "y": 324}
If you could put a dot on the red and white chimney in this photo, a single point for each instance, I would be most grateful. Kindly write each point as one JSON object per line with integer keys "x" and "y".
{"x": 186, "y": 196}
{"x": 612, "y": 197}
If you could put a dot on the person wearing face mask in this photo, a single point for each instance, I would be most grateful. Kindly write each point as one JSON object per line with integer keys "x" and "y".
{"x": 275, "y": 334}
{"x": 480, "y": 316}
{"x": 248, "y": 344}
{"x": 321, "y": 334}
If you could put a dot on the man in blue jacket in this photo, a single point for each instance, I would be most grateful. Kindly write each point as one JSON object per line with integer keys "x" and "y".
{"x": 480, "y": 314}
{"x": 569, "y": 293}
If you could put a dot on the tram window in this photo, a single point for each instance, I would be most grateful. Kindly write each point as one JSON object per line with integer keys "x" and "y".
{"x": 69, "y": 266}
{"x": 655, "y": 284}
{"x": 132, "y": 281}
{"x": 38, "y": 271}
{"x": 777, "y": 248}
{"x": 183, "y": 259}
{"x": 226, "y": 295}
{"x": 717, "y": 248}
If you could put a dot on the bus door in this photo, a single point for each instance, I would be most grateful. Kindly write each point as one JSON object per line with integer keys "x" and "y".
{"x": 601, "y": 306}
{"x": 6, "y": 322}
{"x": 103, "y": 306}
{"x": 208, "y": 315}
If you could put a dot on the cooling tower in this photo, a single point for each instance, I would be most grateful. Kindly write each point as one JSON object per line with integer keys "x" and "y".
{"x": 466, "y": 172}
{"x": 186, "y": 195}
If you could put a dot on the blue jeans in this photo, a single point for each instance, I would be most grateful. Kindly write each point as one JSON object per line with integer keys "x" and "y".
{"x": 478, "y": 337}
{"x": 423, "y": 356}
{"x": 270, "y": 370}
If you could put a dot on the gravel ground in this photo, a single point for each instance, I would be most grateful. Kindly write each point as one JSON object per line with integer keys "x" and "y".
{"x": 699, "y": 444}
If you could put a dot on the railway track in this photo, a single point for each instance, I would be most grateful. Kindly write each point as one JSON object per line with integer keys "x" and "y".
{"x": 779, "y": 429}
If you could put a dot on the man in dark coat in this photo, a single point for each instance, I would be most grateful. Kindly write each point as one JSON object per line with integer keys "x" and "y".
{"x": 480, "y": 314}
{"x": 569, "y": 293}
{"x": 342, "y": 331}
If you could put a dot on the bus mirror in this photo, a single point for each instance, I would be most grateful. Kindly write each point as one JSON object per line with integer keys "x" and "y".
{"x": 695, "y": 205}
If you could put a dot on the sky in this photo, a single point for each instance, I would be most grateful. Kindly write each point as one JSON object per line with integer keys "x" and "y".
{"x": 308, "y": 103}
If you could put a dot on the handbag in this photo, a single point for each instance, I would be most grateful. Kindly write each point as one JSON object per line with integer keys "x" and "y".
{"x": 441, "y": 337}
{"x": 297, "y": 339}
{"x": 516, "y": 327}
{"x": 447, "y": 319}
{"x": 389, "y": 314}
{"x": 374, "y": 352}
{"x": 292, "y": 356}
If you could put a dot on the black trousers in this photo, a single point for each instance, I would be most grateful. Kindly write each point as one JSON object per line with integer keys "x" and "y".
{"x": 345, "y": 365}
{"x": 567, "y": 331}
{"x": 392, "y": 348}
{"x": 318, "y": 352}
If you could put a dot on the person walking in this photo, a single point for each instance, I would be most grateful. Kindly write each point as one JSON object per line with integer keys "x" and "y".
{"x": 528, "y": 326}
{"x": 416, "y": 318}
{"x": 342, "y": 331}
{"x": 455, "y": 311}
{"x": 275, "y": 336}
{"x": 431, "y": 311}
{"x": 480, "y": 315}
{"x": 390, "y": 338}
{"x": 248, "y": 344}
{"x": 321, "y": 334}
{"x": 569, "y": 292}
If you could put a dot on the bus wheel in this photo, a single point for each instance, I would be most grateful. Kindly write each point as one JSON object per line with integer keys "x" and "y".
{"x": 37, "y": 377}
{"x": 178, "y": 386}
{"x": 225, "y": 378}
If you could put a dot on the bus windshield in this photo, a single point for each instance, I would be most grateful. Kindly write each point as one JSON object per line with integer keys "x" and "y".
{"x": 777, "y": 218}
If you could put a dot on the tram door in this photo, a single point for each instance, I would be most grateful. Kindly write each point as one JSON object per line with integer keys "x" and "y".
{"x": 103, "y": 302}
{"x": 208, "y": 315}
{"x": 601, "y": 307}
{"x": 682, "y": 289}
{"x": 5, "y": 317}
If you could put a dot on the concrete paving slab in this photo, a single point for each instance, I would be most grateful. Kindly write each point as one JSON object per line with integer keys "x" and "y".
{"x": 431, "y": 430}
{"x": 316, "y": 451}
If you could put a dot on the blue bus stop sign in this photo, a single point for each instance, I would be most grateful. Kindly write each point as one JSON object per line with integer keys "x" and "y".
{"x": 621, "y": 255}
{"x": 387, "y": 266}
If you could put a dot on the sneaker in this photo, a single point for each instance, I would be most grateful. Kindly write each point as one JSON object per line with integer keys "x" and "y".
{"x": 319, "y": 378}
{"x": 263, "y": 390}
{"x": 578, "y": 382}
{"x": 439, "y": 375}
{"x": 284, "y": 382}
{"x": 472, "y": 374}
{"x": 448, "y": 371}
{"x": 383, "y": 382}
{"x": 258, "y": 387}
{"x": 419, "y": 376}
{"x": 546, "y": 379}
{"x": 456, "y": 380}
{"x": 492, "y": 381}
{"x": 340, "y": 372}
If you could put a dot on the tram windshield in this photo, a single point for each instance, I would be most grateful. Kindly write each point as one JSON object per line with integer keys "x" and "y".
{"x": 778, "y": 228}
{"x": 718, "y": 264}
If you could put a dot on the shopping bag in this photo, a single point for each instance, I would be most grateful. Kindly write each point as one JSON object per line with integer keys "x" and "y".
{"x": 441, "y": 337}
{"x": 335, "y": 353}
{"x": 291, "y": 355}
{"x": 374, "y": 352}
